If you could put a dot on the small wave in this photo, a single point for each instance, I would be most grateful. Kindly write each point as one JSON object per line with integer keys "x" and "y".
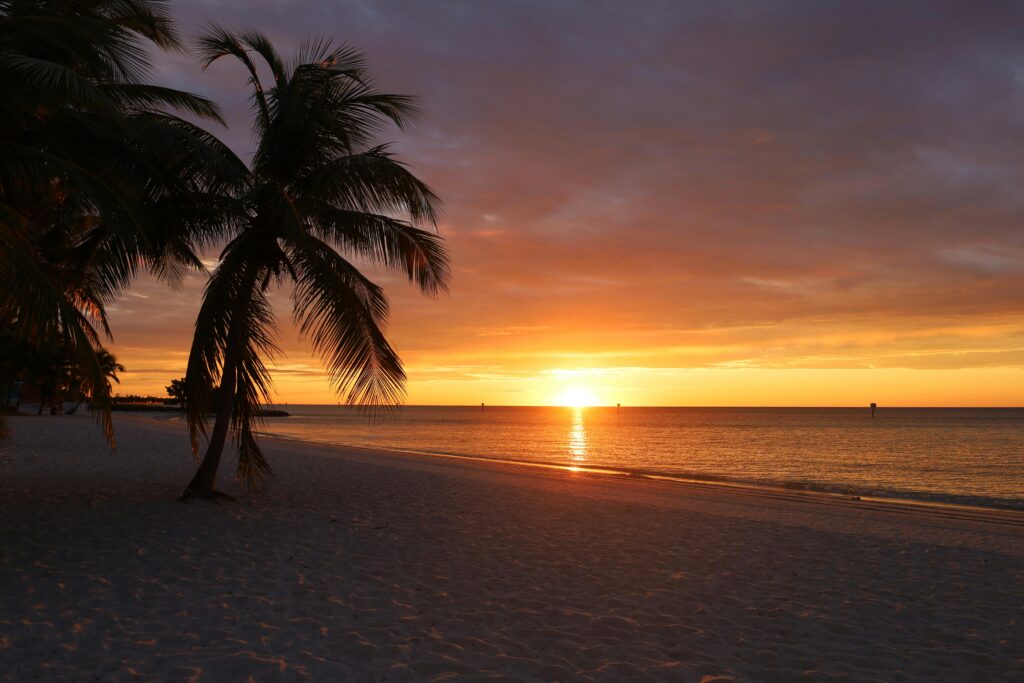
{"x": 939, "y": 497}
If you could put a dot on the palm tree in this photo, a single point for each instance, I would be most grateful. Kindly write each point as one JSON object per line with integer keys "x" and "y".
{"x": 108, "y": 366}
{"x": 97, "y": 176}
{"x": 319, "y": 193}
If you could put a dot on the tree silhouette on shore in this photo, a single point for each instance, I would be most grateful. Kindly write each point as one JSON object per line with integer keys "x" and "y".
{"x": 99, "y": 176}
{"x": 319, "y": 194}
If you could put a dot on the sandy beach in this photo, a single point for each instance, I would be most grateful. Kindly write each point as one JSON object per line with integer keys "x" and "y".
{"x": 368, "y": 566}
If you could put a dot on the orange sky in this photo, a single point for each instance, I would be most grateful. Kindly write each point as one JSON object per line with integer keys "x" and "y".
{"x": 742, "y": 204}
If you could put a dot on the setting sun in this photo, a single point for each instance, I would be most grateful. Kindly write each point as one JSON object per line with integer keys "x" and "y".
{"x": 577, "y": 397}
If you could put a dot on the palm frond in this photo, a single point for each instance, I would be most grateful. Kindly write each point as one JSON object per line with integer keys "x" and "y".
{"x": 261, "y": 45}
{"x": 197, "y": 156}
{"x": 344, "y": 60}
{"x": 372, "y": 182}
{"x": 94, "y": 380}
{"x": 341, "y": 313}
{"x": 216, "y": 42}
{"x": 252, "y": 389}
{"x": 149, "y": 97}
{"x": 37, "y": 303}
{"x": 148, "y": 18}
{"x": 56, "y": 80}
{"x": 398, "y": 245}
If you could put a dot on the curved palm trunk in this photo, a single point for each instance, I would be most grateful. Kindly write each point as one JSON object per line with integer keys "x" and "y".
{"x": 204, "y": 483}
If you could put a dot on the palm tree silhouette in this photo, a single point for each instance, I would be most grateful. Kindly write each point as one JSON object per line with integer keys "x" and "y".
{"x": 318, "y": 188}
{"x": 109, "y": 366}
{"x": 98, "y": 176}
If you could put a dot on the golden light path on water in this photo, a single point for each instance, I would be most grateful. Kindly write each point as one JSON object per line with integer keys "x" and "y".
{"x": 952, "y": 455}
{"x": 578, "y": 436}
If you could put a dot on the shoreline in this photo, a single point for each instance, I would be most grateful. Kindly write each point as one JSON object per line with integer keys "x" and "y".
{"x": 937, "y": 500}
{"x": 948, "y": 500}
{"x": 811, "y": 507}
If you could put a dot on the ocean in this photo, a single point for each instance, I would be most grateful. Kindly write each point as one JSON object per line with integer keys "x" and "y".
{"x": 954, "y": 455}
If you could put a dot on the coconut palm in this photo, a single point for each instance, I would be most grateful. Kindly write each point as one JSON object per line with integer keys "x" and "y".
{"x": 110, "y": 368}
{"x": 98, "y": 176}
{"x": 79, "y": 386}
{"x": 320, "y": 194}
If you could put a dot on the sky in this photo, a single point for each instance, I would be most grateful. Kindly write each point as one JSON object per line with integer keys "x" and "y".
{"x": 668, "y": 203}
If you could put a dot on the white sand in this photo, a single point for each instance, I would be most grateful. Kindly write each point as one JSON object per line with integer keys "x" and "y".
{"x": 370, "y": 567}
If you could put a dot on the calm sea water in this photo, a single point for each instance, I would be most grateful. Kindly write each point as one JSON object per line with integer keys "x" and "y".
{"x": 972, "y": 456}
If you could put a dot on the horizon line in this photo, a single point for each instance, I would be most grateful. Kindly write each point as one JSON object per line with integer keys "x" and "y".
{"x": 702, "y": 407}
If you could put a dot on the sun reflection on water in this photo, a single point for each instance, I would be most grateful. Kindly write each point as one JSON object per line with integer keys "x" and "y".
{"x": 577, "y": 437}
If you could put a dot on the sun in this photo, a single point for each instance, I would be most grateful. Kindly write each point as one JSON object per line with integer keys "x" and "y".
{"x": 577, "y": 397}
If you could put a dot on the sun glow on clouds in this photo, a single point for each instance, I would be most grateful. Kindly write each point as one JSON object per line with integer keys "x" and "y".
{"x": 721, "y": 247}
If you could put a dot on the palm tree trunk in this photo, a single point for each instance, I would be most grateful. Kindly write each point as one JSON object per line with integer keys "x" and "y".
{"x": 204, "y": 483}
